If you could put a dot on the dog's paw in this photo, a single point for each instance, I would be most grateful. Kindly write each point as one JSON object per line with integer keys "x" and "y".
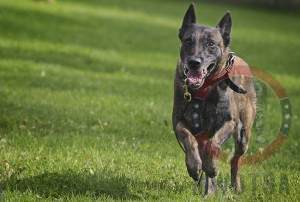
{"x": 236, "y": 184}
{"x": 210, "y": 152}
{"x": 193, "y": 164}
{"x": 210, "y": 186}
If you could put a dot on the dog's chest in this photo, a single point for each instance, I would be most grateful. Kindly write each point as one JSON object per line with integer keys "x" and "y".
{"x": 208, "y": 115}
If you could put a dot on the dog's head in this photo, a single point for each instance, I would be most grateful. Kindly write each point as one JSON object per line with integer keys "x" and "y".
{"x": 203, "y": 48}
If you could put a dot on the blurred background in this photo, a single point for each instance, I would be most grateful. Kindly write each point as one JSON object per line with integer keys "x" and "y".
{"x": 86, "y": 92}
{"x": 279, "y": 4}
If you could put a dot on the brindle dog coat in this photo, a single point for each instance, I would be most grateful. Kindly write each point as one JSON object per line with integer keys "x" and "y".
{"x": 203, "y": 124}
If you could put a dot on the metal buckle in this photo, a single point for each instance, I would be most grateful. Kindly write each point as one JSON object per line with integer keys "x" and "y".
{"x": 187, "y": 95}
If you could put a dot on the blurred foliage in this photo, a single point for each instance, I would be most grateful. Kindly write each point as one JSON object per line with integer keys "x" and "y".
{"x": 286, "y": 4}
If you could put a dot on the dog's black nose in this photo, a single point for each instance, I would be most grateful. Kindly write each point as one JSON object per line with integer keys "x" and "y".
{"x": 194, "y": 63}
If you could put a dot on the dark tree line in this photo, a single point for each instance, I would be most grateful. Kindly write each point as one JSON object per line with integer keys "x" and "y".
{"x": 289, "y": 4}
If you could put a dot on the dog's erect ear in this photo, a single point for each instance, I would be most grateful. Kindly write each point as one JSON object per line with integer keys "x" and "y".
{"x": 188, "y": 19}
{"x": 224, "y": 27}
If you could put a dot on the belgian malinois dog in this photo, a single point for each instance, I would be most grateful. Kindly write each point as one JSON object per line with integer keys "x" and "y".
{"x": 214, "y": 98}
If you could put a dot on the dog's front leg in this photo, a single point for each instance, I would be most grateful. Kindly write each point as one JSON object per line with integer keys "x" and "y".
{"x": 224, "y": 133}
{"x": 192, "y": 157}
{"x": 210, "y": 153}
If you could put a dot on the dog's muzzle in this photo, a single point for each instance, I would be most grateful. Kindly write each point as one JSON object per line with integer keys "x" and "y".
{"x": 196, "y": 79}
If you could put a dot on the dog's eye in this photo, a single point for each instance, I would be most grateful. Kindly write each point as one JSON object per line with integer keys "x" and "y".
{"x": 188, "y": 41}
{"x": 211, "y": 44}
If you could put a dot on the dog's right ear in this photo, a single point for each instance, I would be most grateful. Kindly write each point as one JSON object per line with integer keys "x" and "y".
{"x": 188, "y": 19}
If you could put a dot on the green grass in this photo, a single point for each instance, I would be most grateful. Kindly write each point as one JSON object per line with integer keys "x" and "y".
{"x": 86, "y": 100}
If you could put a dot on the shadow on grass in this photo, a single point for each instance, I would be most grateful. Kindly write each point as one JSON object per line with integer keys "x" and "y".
{"x": 69, "y": 183}
{"x": 98, "y": 185}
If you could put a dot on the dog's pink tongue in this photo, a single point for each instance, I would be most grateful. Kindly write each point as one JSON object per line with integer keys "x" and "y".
{"x": 194, "y": 78}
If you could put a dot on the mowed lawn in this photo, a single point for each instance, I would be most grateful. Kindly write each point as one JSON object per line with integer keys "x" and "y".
{"x": 86, "y": 100}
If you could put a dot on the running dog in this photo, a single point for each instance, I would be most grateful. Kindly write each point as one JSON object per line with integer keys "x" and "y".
{"x": 214, "y": 98}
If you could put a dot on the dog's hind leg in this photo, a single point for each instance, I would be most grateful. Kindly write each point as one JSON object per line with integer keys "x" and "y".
{"x": 192, "y": 157}
{"x": 241, "y": 140}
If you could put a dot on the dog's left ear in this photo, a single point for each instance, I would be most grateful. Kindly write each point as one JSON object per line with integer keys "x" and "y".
{"x": 224, "y": 27}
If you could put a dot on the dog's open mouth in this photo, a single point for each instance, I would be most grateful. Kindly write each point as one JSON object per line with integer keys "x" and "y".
{"x": 195, "y": 79}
